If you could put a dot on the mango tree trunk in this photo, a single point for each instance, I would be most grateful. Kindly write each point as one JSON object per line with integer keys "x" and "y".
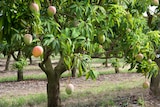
{"x": 53, "y": 92}
{"x": 7, "y": 62}
{"x": 53, "y": 85}
{"x": 155, "y": 82}
{"x": 20, "y": 75}
{"x": 30, "y": 60}
{"x": 116, "y": 69}
{"x": 107, "y": 57}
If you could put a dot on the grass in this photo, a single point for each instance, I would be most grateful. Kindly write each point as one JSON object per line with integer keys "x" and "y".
{"x": 26, "y": 77}
{"x": 28, "y": 100}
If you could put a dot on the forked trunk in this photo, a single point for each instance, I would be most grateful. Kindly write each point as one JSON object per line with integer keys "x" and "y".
{"x": 53, "y": 92}
{"x": 20, "y": 75}
{"x": 155, "y": 82}
{"x": 53, "y": 85}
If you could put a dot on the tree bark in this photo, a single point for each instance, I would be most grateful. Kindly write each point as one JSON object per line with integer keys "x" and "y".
{"x": 7, "y": 62}
{"x": 116, "y": 69}
{"x": 53, "y": 92}
{"x": 19, "y": 75}
{"x": 30, "y": 60}
{"x": 53, "y": 85}
{"x": 106, "y": 62}
{"x": 155, "y": 82}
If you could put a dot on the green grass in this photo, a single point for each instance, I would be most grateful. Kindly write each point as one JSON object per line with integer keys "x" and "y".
{"x": 35, "y": 76}
{"x": 26, "y": 77}
{"x": 23, "y": 100}
{"x": 7, "y": 79}
{"x": 113, "y": 72}
{"x": 98, "y": 60}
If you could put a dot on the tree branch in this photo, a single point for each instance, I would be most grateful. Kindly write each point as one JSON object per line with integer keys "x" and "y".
{"x": 68, "y": 15}
{"x": 47, "y": 53}
{"x": 56, "y": 19}
{"x": 14, "y": 57}
{"x": 41, "y": 65}
{"x": 149, "y": 19}
{"x": 60, "y": 67}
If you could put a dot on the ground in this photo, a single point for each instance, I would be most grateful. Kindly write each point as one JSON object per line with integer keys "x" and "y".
{"x": 120, "y": 96}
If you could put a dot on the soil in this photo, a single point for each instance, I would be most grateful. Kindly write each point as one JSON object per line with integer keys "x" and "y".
{"x": 10, "y": 89}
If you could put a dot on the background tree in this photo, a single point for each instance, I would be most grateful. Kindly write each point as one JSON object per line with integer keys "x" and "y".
{"x": 14, "y": 23}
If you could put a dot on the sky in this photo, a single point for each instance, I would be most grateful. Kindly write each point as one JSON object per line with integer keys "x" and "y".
{"x": 151, "y": 10}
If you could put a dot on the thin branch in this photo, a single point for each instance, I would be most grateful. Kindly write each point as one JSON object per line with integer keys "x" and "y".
{"x": 19, "y": 54}
{"x": 56, "y": 19}
{"x": 47, "y": 53}
{"x": 14, "y": 57}
{"x": 48, "y": 3}
{"x": 71, "y": 16}
{"x": 150, "y": 17}
{"x": 42, "y": 67}
{"x": 51, "y": 2}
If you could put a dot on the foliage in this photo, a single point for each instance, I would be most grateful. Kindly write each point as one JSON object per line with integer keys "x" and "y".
{"x": 20, "y": 64}
{"x": 115, "y": 62}
{"x": 76, "y": 26}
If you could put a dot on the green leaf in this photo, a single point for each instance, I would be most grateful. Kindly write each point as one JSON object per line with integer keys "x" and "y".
{"x": 20, "y": 64}
{"x": 68, "y": 62}
{"x": 80, "y": 70}
{"x": 48, "y": 39}
{"x": 75, "y": 33}
{"x": 87, "y": 75}
{"x": 93, "y": 74}
{"x": 67, "y": 32}
{"x": 81, "y": 38}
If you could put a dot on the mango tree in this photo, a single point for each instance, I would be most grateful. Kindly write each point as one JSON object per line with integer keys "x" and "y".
{"x": 12, "y": 34}
{"x": 153, "y": 22}
{"x": 63, "y": 27}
